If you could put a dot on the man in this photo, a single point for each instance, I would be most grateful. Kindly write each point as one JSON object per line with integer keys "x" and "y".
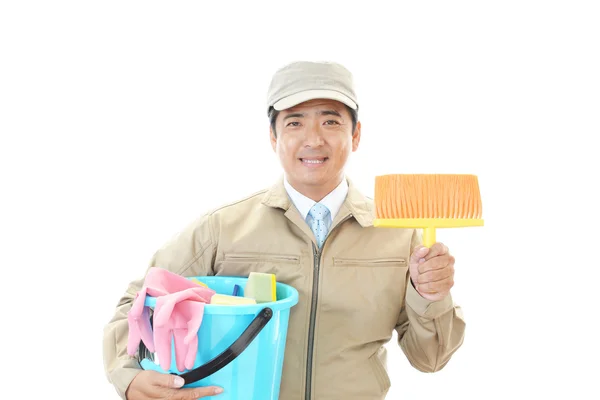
{"x": 314, "y": 230}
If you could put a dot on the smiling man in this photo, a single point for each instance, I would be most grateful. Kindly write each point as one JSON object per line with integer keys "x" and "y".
{"x": 314, "y": 142}
{"x": 314, "y": 230}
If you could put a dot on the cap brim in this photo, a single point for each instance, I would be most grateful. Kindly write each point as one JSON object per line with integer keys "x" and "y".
{"x": 297, "y": 98}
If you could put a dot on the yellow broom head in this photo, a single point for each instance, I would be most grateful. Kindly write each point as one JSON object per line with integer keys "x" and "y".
{"x": 427, "y": 201}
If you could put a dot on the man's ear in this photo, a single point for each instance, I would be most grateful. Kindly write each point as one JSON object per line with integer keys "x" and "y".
{"x": 356, "y": 137}
{"x": 273, "y": 137}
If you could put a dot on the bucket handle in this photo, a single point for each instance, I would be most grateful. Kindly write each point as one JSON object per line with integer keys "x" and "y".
{"x": 230, "y": 353}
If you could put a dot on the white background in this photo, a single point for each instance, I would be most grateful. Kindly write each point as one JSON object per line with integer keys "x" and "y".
{"x": 119, "y": 120}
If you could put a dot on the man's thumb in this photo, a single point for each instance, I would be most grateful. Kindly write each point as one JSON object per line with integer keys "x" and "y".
{"x": 418, "y": 253}
{"x": 177, "y": 381}
{"x": 170, "y": 381}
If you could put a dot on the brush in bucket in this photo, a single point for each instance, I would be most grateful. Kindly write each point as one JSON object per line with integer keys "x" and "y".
{"x": 427, "y": 202}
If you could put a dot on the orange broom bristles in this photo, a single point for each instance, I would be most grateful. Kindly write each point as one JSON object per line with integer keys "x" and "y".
{"x": 427, "y": 201}
{"x": 427, "y": 196}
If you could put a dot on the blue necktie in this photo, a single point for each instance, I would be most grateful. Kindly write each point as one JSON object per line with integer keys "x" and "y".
{"x": 318, "y": 219}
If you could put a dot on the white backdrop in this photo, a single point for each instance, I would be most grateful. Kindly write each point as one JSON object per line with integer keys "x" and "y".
{"x": 120, "y": 119}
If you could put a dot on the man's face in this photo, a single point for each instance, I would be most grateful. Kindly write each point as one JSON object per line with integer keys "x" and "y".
{"x": 313, "y": 141}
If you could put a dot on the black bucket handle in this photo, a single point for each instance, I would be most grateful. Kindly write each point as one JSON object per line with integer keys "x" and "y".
{"x": 230, "y": 353}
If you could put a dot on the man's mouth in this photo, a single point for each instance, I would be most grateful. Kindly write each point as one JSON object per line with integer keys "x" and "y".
{"x": 314, "y": 161}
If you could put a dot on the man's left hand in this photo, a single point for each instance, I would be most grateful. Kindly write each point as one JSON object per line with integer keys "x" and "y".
{"x": 432, "y": 271}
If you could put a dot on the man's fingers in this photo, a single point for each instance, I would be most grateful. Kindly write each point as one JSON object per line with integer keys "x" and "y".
{"x": 437, "y": 249}
{"x": 436, "y": 275}
{"x": 175, "y": 382}
{"x": 436, "y": 287}
{"x": 436, "y": 263}
{"x": 196, "y": 393}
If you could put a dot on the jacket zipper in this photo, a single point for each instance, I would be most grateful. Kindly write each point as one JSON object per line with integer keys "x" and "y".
{"x": 311, "y": 326}
{"x": 313, "y": 313}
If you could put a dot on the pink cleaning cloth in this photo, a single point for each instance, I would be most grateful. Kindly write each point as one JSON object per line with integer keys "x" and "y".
{"x": 158, "y": 282}
{"x": 178, "y": 316}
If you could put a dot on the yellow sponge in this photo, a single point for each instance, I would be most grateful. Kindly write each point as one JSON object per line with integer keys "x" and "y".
{"x": 261, "y": 287}
{"x": 226, "y": 300}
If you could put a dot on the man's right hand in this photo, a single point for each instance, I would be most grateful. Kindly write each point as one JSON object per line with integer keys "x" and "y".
{"x": 152, "y": 385}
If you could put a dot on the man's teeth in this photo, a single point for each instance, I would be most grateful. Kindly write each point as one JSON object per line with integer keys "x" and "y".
{"x": 313, "y": 161}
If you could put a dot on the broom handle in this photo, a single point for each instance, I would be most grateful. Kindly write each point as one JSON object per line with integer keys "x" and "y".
{"x": 428, "y": 236}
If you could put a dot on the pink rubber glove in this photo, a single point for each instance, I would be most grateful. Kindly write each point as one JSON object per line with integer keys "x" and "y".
{"x": 138, "y": 318}
{"x": 178, "y": 316}
{"x": 158, "y": 282}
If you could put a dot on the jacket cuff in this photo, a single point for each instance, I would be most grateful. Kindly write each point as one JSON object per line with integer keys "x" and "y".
{"x": 121, "y": 378}
{"x": 426, "y": 308}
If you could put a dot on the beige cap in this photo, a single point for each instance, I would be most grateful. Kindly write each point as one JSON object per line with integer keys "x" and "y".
{"x": 305, "y": 80}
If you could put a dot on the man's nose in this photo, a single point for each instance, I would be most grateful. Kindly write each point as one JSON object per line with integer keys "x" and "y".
{"x": 313, "y": 135}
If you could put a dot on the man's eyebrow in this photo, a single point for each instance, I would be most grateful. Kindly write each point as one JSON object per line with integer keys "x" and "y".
{"x": 294, "y": 115}
{"x": 331, "y": 112}
{"x": 302, "y": 115}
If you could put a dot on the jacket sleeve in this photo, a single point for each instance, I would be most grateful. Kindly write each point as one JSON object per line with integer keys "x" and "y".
{"x": 429, "y": 332}
{"x": 189, "y": 253}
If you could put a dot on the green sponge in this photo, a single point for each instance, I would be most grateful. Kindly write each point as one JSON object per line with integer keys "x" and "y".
{"x": 261, "y": 287}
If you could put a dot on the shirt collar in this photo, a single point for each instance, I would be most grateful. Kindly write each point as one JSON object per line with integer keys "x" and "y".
{"x": 333, "y": 201}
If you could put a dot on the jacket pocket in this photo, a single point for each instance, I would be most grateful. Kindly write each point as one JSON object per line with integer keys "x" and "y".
{"x": 261, "y": 257}
{"x": 383, "y": 379}
{"x": 286, "y": 267}
{"x": 372, "y": 262}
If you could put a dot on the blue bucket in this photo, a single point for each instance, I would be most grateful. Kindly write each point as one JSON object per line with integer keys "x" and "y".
{"x": 240, "y": 348}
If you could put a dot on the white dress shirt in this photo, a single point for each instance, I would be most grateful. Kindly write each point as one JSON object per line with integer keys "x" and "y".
{"x": 333, "y": 201}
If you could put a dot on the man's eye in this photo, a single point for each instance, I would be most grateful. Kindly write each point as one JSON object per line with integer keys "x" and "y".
{"x": 332, "y": 122}
{"x": 294, "y": 123}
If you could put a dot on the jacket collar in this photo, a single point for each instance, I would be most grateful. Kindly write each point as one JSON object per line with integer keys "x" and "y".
{"x": 356, "y": 204}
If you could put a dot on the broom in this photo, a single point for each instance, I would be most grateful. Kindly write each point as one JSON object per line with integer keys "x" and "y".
{"x": 427, "y": 202}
